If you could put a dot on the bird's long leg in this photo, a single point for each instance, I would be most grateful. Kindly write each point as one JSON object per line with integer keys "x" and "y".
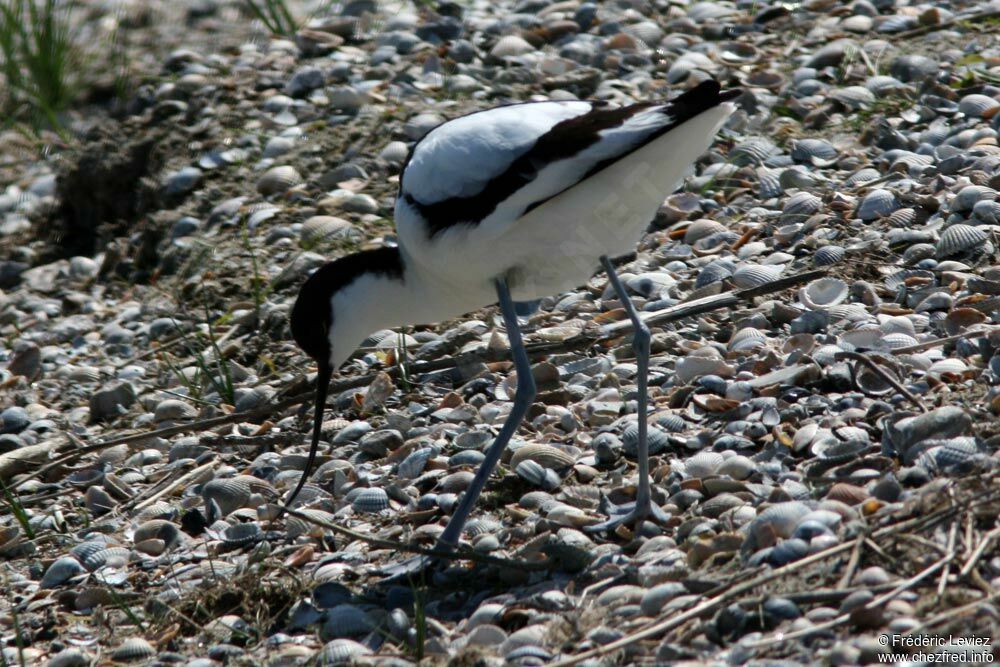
{"x": 643, "y": 507}
{"x": 522, "y": 401}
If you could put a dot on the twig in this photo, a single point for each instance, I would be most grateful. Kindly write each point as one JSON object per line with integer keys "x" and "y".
{"x": 457, "y": 554}
{"x": 980, "y": 549}
{"x": 924, "y": 29}
{"x": 885, "y": 377}
{"x": 176, "y": 484}
{"x": 659, "y": 627}
{"x": 952, "y": 538}
{"x": 782, "y": 637}
{"x": 951, "y": 614}
{"x": 680, "y": 311}
{"x": 941, "y": 341}
{"x": 852, "y": 564}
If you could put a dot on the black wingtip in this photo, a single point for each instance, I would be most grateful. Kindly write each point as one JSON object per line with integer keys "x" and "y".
{"x": 322, "y": 387}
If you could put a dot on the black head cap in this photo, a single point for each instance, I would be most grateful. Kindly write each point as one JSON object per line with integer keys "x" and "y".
{"x": 312, "y": 320}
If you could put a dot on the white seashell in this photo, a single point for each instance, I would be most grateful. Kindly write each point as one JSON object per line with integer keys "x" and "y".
{"x": 960, "y": 238}
{"x": 755, "y": 275}
{"x": 801, "y": 205}
{"x": 978, "y": 106}
{"x": 899, "y": 324}
{"x": 823, "y": 293}
{"x": 545, "y": 455}
{"x": 753, "y": 150}
{"x": 341, "y": 652}
{"x": 878, "y": 203}
{"x": 894, "y": 341}
{"x": 702, "y": 228}
{"x": 324, "y": 228}
{"x": 828, "y": 255}
{"x": 694, "y": 366}
{"x": 746, "y": 339}
{"x": 510, "y": 46}
{"x": 277, "y": 180}
{"x": 703, "y": 464}
{"x": 133, "y": 648}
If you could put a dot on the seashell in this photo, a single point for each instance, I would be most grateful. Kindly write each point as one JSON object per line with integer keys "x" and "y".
{"x": 969, "y": 196}
{"x": 776, "y": 521}
{"x": 818, "y": 152}
{"x": 862, "y": 176}
{"x": 828, "y": 255}
{"x": 320, "y": 228}
{"x": 755, "y": 275}
{"x": 747, "y": 339}
{"x": 172, "y": 409}
{"x": 455, "y": 483}
{"x": 372, "y": 500}
{"x": 702, "y": 228}
{"x": 950, "y": 366}
{"x": 897, "y": 340}
{"x": 346, "y": 620}
{"x": 878, "y": 203}
{"x": 832, "y": 450}
{"x": 510, "y": 46}
{"x": 60, "y": 572}
{"x": 296, "y": 527}
{"x": 899, "y": 324}
{"x": 277, "y": 180}
{"x": 656, "y": 439}
{"x": 978, "y": 106}
{"x": 753, "y": 150}
{"x": 242, "y": 534}
{"x": 823, "y": 293}
{"x": 340, "y": 653}
{"x": 959, "y": 319}
{"x": 854, "y": 97}
{"x": 133, "y": 649}
{"x": 902, "y": 217}
{"x": 98, "y": 501}
{"x": 898, "y": 279}
{"x": 738, "y": 467}
{"x": 801, "y": 205}
{"x": 537, "y": 475}
{"x": 232, "y": 493}
{"x": 160, "y": 529}
{"x": 703, "y": 464}
{"x": 714, "y": 272}
{"x": 769, "y": 183}
{"x": 695, "y": 365}
{"x": 416, "y": 461}
{"x": 69, "y": 657}
{"x": 738, "y": 53}
{"x": 107, "y": 556}
{"x": 959, "y": 239}
{"x": 545, "y": 455}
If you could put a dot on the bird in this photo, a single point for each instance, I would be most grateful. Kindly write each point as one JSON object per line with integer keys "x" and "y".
{"x": 507, "y": 205}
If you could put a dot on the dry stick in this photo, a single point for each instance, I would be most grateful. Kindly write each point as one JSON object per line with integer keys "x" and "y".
{"x": 782, "y": 637}
{"x": 979, "y": 551}
{"x": 941, "y": 341}
{"x": 680, "y": 311}
{"x": 852, "y": 564}
{"x": 885, "y": 377}
{"x": 924, "y": 29}
{"x": 952, "y": 538}
{"x": 459, "y": 554}
{"x": 951, "y": 614}
{"x": 659, "y": 627}
{"x": 181, "y": 481}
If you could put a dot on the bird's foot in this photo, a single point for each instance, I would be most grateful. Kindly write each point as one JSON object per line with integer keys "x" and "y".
{"x": 633, "y": 513}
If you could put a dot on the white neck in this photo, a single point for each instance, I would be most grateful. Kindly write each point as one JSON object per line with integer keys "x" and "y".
{"x": 377, "y": 301}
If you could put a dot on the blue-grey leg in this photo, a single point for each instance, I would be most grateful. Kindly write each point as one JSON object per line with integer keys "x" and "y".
{"x": 643, "y": 507}
{"x": 523, "y": 398}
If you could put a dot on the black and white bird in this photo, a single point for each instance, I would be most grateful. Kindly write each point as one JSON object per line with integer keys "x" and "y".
{"x": 512, "y": 204}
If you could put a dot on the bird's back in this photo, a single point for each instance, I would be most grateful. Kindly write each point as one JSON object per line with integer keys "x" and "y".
{"x": 472, "y": 184}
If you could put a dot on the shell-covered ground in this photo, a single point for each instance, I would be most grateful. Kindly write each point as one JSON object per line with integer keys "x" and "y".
{"x": 824, "y": 295}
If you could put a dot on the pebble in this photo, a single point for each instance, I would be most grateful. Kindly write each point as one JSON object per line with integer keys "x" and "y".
{"x": 865, "y": 150}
